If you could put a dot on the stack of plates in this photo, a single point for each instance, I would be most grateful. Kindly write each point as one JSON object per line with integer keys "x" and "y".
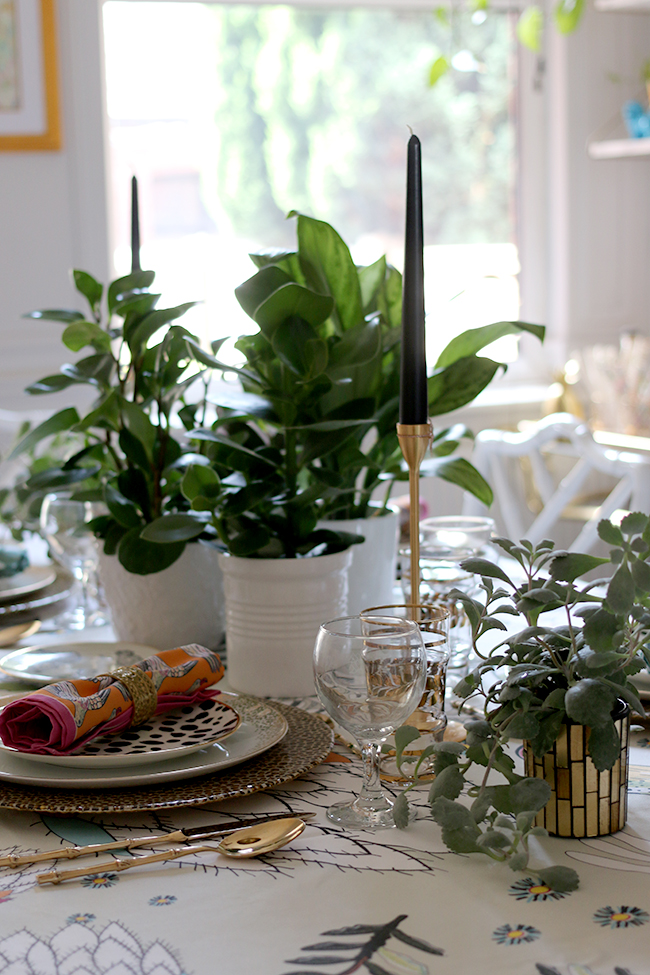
{"x": 179, "y": 744}
{"x": 39, "y": 592}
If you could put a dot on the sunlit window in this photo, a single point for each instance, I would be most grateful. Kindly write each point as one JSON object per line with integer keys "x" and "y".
{"x": 233, "y": 115}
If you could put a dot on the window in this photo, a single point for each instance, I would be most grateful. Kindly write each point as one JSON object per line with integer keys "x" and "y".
{"x": 233, "y": 115}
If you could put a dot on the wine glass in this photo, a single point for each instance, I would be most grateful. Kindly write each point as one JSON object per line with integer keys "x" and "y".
{"x": 64, "y": 526}
{"x": 370, "y": 674}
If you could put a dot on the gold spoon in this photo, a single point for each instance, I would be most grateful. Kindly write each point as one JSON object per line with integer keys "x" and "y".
{"x": 249, "y": 842}
{"x": 12, "y": 634}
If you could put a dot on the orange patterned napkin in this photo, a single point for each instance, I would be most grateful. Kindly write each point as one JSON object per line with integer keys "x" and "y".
{"x": 60, "y": 718}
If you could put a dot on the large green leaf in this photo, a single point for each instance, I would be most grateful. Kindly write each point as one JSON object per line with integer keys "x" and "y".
{"x": 173, "y": 528}
{"x": 459, "y": 383}
{"x": 329, "y": 267}
{"x": 154, "y": 320}
{"x": 590, "y": 702}
{"x": 459, "y": 471}
{"x": 358, "y": 345}
{"x": 139, "y": 424}
{"x": 196, "y": 352}
{"x": 123, "y": 510}
{"x": 620, "y": 592}
{"x": 249, "y": 404}
{"x": 567, "y": 568}
{"x": 119, "y": 289}
{"x": 475, "y": 339}
{"x": 50, "y": 384}
{"x": 298, "y": 346}
{"x": 253, "y": 292}
{"x": 289, "y": 300}
{"x": 56, "y": 315}
{"x": 79, "y": 334}
{"x": 143, "y": 558}
{"x": 63, "y": 420}
{"x": 91, "y": 289}
{"x": 228, "y": 442}
{"x": 106, "y": 415}
{"x": 370, "y": 280}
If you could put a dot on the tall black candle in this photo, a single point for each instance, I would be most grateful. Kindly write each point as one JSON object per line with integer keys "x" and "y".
{"x": 135, "y": 227}
{"x": 413, "y": 398}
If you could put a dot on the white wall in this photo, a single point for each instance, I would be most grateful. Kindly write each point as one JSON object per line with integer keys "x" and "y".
{"x": 53, "y": 214}
{"x": 597, "y": 213}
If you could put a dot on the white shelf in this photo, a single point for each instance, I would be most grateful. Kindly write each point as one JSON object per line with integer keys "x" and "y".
{"x": 623, "y": 6}
{"x": 619, "y": 148}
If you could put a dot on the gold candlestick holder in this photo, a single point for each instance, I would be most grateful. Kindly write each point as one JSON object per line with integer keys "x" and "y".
{"x": 414, "y": 440}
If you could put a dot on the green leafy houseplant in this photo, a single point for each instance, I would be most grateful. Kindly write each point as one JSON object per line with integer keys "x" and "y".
{"x": 125, "y": 450}
{"x": 538, "y": 678}
{"x": 324, "y": 367}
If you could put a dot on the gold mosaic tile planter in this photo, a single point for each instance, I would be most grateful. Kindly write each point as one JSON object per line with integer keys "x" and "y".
{"x": 584, "y": 802}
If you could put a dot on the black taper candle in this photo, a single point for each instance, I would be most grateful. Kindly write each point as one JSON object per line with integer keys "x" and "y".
{"x": 413, "y": 398}
{"x": 135, "y": 227}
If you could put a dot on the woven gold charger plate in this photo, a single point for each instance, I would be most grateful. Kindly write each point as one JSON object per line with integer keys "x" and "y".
{"x": 307, "y": 742}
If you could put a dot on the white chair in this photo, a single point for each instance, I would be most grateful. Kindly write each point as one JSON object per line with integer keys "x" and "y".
{"x": 553, "y": 471}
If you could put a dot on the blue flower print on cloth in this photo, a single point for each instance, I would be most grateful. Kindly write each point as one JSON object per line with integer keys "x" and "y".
{"x": 530, "y": 890}
{"x": 162, "y": 900}
{"x": 621, "y": 917}
{"x": 100, "y": 880}
{"x": 80, "y": 918}
{"x": 506, "y": 935}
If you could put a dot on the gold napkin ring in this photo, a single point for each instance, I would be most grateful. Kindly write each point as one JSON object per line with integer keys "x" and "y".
{"x": 140, "y": 688}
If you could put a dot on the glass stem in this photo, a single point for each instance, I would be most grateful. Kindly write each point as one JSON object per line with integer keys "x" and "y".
{"x": 371, "y": 790}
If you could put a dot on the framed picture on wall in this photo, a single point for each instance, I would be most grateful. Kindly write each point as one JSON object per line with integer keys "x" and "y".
{"x": 29, "y": 95}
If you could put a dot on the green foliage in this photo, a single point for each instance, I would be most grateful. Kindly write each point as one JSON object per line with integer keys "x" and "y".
{"x": 324, "y": 369}
{"x": 125, "y": 449}
{"x": 539, "y": 679}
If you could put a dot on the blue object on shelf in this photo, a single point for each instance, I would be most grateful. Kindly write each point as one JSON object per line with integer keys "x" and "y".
{"x": 637, "y": 120}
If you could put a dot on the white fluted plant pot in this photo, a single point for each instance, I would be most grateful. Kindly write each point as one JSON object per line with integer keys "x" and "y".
{"x": 182, "y": 604}
{"x": 373, "y": 569}
{"x": 273, "y": 610}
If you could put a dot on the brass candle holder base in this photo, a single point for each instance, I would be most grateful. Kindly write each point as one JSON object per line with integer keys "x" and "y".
{"x": 414, "y": 440}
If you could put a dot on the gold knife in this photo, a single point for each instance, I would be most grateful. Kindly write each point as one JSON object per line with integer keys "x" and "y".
{"x": 177, "y": 836}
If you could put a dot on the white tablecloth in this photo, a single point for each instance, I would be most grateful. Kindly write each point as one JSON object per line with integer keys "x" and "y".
{"x": 332, "y": 902}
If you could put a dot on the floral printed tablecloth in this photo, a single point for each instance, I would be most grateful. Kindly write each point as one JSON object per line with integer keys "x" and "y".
{"x": 334, "y": 902}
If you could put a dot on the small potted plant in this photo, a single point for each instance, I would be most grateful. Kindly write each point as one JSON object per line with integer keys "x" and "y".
{"x": 564, "y": 688}
{"x": 130, "y": 451}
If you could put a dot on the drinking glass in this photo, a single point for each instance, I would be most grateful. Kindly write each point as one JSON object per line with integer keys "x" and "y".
{"x": 64, "y": 526}
{"x": 444, "y": 542}
{"x": 429, "y": 716}
{"x": 370, "y": 674}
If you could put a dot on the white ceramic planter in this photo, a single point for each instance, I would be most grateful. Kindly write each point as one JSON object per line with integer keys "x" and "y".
{"x": 373, "y": 569}
{"x": 182, "y": 604}
{"x": 273, "y": 610}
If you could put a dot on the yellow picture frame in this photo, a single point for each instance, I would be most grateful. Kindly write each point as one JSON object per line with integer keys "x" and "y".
{"x": 39, "y": 24}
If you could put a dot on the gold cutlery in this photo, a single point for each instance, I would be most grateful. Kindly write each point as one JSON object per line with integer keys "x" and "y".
{"x": 19, "y": 631}
{"x": 178, "y": 836}
{"x": 250, "y": 842}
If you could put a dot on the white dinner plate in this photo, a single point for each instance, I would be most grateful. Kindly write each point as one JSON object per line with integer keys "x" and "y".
{"x": 179, "y": 732}
{"x": 261, "y": 727}
{"x": 42, "y": 604}
{"x": 49, "y": 662}
{"x": 23, "y": 583}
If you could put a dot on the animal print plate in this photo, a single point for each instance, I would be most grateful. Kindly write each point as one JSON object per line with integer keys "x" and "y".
{"x": 180, "y": 732}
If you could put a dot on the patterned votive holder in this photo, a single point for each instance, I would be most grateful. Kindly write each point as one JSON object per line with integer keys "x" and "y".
{"x": 429, "y": 718}
{"x": 584, "y": 801}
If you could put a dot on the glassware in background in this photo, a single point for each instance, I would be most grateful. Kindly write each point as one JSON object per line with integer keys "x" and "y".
{"x": 370, "y": 674}
{"x": 64, "y": 526}
{"x": 444, "y": 542}
{"x": 429, "y": 717}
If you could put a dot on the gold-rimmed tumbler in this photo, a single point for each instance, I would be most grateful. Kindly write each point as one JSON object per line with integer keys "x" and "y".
{"x": 429, "y": 717}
